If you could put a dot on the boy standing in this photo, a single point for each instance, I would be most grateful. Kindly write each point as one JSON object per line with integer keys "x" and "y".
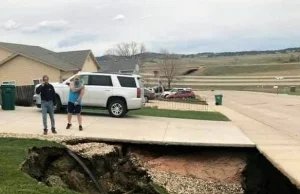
{"x": 76, "y": 93}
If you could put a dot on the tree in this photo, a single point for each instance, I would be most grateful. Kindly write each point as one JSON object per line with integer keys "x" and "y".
{"x": 169, "y": 66}
{"x": 292, "y": 58}
{"x": 142, "y": 54}
{"x": 127, "y": 49}
{"x": 110, "y": 52}
{"x": 133, "y": 48}
{"x": 123, "y": 50}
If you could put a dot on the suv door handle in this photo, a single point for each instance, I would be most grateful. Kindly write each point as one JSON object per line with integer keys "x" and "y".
{"x": 107, "y": 90}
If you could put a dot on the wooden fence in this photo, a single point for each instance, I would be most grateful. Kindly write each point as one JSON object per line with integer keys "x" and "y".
{"x": 24, "y": 95}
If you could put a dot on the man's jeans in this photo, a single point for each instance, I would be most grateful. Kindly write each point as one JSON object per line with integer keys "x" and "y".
{"x": 47, "y": 107}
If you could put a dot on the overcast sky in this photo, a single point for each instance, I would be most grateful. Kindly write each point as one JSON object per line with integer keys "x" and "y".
{"x": 184, "y": 26}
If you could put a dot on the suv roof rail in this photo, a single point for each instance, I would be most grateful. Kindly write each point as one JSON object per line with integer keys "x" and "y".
{"x": 117, "y": 73}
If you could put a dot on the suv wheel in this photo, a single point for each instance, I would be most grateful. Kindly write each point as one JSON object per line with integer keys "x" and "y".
{"x": 57, "y": 106}
{"x": 117, "y": 108}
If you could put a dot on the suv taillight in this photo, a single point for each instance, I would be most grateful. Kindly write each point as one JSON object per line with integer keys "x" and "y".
{"x": 138, "y": 93}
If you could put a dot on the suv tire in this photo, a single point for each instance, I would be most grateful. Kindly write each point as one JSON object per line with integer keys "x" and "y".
{"x": 117, "y": 108}
{"x": 57, "y": 105}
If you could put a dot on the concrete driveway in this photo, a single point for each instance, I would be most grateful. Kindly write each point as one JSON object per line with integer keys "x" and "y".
{"x": 131, "y": 129}
{"x": 271, "y": 121}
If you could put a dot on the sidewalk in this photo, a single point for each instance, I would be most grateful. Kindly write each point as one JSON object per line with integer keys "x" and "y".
{"x": 148, "y": 130}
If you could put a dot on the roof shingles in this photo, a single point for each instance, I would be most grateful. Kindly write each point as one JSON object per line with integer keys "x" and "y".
{"x": 66, "y": 61}
{"x": 117, "y": 65}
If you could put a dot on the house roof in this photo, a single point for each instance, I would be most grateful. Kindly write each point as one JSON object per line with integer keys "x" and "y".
{"x": 67, "y": 61}
{"x": 116, "y": 65}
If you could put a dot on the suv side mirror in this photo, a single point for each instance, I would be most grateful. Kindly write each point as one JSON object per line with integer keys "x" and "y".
{"x": 68, "y": 83}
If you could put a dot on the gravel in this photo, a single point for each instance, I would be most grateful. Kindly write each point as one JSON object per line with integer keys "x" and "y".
{"x": 88, "y": 150}
{"x": 55, "y": 138}
{"x": 176, "y": 184}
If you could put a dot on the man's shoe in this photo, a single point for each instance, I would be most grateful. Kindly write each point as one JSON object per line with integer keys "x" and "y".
{"x": 53, "y": 130}
{"x": 80, "y": 128}
{"x": 68, "y": 126}
{"x": 45, "y": 131}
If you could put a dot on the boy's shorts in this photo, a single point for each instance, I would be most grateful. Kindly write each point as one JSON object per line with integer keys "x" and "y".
{"x": 72, "y": 109}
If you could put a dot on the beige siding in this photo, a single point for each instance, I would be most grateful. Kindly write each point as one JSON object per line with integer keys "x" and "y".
{"x": 66, "y": 74}
{"x": 24, "y": 71}
{"x": 89, "y": 65}
{"x": 4, "y": 54}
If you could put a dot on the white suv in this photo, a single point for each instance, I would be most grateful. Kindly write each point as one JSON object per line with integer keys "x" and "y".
{"x": 116, "y": 92}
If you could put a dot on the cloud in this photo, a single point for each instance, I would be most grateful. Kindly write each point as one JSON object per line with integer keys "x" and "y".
{"x": 119, "y": 17}
{"x": 147, "y": 17}
{"x": 75, "y": 40}
{"x": 48, "y": 26}
{"x": 196, "y": 26}
{"x": 10, "y": 25}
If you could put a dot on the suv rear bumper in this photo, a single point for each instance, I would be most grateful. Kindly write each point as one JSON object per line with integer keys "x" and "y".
{"x": 134, "y": 103}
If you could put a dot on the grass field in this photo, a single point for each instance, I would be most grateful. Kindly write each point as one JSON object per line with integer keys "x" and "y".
{"x": 154, "y": 112}
{"x": 272, "y": 64}
{"x": 13, "y": 181}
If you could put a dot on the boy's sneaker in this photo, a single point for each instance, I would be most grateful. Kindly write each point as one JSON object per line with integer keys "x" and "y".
{"x": 53, "y": 130}
{"x": 45, "y": 131}
{"x": 80, "y": 128}
{"x": 68, "y": 126}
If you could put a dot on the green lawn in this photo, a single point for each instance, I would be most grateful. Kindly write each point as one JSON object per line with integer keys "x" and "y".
{"x": 13, "y": 181}
{"x": 199, "y": 115}
{"x": 181, "y": 114}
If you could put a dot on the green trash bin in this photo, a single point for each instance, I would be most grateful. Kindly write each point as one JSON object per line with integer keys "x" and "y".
{"x": 8, "y": 94}
{"x": 219, "y": 99}
{"x": 293, "y": 89}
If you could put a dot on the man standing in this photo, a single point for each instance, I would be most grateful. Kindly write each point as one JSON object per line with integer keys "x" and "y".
{"x": 48, "y": 101}
{"x": 76, "y": 93}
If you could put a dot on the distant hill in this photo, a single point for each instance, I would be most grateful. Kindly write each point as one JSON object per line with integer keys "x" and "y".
{"x": 152, "y": 55}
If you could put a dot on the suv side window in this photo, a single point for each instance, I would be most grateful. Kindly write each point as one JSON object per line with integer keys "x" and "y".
{"x": 100, "y": 80}
{"x": 84, "y": 79}
{"x": 128, "y": 82}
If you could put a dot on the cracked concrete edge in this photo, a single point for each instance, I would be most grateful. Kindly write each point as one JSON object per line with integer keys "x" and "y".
{"x": 280, "y": 167}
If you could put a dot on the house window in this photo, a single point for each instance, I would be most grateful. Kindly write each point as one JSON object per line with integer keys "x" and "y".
{"x": 9, "y": 82}
{"x": 37, "y": 81}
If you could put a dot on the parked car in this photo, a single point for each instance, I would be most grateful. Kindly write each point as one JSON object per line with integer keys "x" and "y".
{"x": 183, "y": 94}
{"x": 148, "y": 95}
{"x": 173, "y": 91}
{"x": 151, "y": 90}
{"x": 116, "y": 92}
{"x": 158, "y": 90}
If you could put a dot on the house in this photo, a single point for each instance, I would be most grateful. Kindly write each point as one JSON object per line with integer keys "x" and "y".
{"x": 25, "y": 64}
{"x": 119, "y": 65}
